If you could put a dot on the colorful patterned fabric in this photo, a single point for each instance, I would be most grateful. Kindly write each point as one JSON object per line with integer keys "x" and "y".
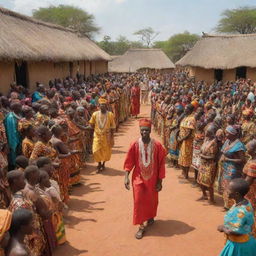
{"x": 250, "y": 170}
{"x": 36, "y": 241}
{"x": 27, "y": 147}
{"x": 240, "y": 219}
{"x": 208, "y": 167}
{"x": 230, "y": 170}
{"x": 43, "y": 149}
{"x": 186, "y": 149}
{"x": 102, "y": 140}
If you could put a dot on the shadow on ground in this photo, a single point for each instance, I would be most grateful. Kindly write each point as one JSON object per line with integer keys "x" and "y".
{"x": 168, "y": 228}
{"x": 85, "y": 206}
{"x": 85, "y": 188}
{"x": 91, "y": 170}
{"x": 71, "y": 221}
{"x": 67, "y": 250}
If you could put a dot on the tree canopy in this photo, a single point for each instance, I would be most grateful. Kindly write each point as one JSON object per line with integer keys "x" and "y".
{"x": 146, "y": 35}
{"x": 177, "y": 45}
{"x": 241, "y": 20}
{"x": 69, "y": 17}
{"x": 118, "y": 47}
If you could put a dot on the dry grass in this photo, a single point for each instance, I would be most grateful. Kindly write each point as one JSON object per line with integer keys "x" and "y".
{"x": 222, "y": 52}
{"x": 135, "y": 59}
{"x": 22, "y": 37}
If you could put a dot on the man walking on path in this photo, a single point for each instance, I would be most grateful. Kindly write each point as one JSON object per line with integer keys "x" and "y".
{"x": 146, "y": 158}
{"x": 103, "y": 140}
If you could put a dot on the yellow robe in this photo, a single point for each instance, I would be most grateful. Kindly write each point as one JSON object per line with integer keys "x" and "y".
{"x": 102, "y": 139}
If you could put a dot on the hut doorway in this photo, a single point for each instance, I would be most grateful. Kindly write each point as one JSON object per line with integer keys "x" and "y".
{"x": 71, "y": 69}
{"x": 21, "y": 73}
{"x": 241, "y": 72}
{"x": 218, "y": 74}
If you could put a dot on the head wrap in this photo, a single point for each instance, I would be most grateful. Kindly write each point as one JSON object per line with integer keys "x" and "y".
{"x": 5, "y": 222}
{"x": 248, "y": 112}
{"x": 195, "y": 104}
{"x": 178, "y": 106}
{"x": 232, "y": 130}
{"x": 145, "y": 123}
{"x": 208, "y": 104}
{"x": 68, "y": 98}
{"x": 102, "y": 101}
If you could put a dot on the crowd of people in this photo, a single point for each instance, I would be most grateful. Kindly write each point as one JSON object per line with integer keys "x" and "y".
{"x": 47, "y": 136}
{"x": 210, "y": 131}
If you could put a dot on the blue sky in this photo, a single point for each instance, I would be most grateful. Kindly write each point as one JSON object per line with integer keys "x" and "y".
{"x": 123, "y": 17}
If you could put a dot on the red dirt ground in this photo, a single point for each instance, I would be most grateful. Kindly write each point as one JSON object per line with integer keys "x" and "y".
{"x": 99, "y": 222}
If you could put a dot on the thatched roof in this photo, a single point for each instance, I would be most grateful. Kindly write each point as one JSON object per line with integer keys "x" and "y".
{"x": 222, "y": 52}
{"x": 24, "y": 38}
{"x": 135, "y": 59}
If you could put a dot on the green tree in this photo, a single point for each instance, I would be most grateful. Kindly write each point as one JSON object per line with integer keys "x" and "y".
{"x": 118, "y": 47}
{"x": 147, "y": 35}
{"x": 178, "y": 45}
{"x": 241, "y": 20}
{"x": 69, "y": 17}
{"x": 107, "y": 45}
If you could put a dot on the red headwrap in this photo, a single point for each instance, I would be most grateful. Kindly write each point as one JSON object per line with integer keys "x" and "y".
{"x": 145, "y": 123}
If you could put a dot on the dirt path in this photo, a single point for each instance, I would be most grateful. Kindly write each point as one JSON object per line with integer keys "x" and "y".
{"x": 100, "y": 216}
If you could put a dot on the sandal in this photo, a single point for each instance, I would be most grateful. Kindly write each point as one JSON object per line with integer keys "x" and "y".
{"x": 140, "y": 233}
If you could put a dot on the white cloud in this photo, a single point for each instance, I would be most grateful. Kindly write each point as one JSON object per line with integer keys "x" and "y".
{"x": 92, "y": 6}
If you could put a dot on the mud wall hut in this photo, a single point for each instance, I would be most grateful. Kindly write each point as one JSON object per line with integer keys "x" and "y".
{"x": 31, "y": 51}
{"x": 222, "y": 58}
{"x": 141, "y": 59}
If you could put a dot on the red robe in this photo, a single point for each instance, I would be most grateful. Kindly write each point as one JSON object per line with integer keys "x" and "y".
{"x": 135, "y": 101}
{"x": 144, "y": 189}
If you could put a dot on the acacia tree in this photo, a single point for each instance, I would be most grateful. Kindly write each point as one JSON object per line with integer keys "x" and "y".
{"x": 69, "y": 17}
{"x": 147, "y": 35}
{"x": 241, "y": 20}
{"x": 119, "y": 46}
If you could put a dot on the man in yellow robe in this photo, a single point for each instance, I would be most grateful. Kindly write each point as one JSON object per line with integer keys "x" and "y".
{"x": 103, "y": 123}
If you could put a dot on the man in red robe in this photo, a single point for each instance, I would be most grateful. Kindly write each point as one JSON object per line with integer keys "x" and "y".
{"x": 146, "y": 158}
{"x": 135, "y": 100}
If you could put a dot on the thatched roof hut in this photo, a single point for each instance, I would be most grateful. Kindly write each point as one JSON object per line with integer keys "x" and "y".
{"x": 222, "y": 52}
{"x": 136, "y": 59}
{"x": 24, "y": 38}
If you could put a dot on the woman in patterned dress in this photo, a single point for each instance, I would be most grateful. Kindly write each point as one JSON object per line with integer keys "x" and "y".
{"x": 74, "y": 144}
{"x": 65, "y": 157}
{"x": 208, "y": 167}
{"x": 43, "y": 146}
{"x": 250, "y": 173}
{"x": 54, "y": 203}
{"x": 27, "y": 120}
{"x": 186, "y": 136}
{"x": 233, "y": 159}
{"x": 28, "y": 143}
{"x": 197, "y": 142}
{"x": 174, "y": 132}
{"x": 238, "y": 222}
{"x": 35, "y": 242}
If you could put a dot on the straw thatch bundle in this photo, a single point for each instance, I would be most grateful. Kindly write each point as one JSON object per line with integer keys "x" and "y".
{"x": 135, "y": 59}
{"x": 24, "y": 38}
{"x": 222, "y": 52}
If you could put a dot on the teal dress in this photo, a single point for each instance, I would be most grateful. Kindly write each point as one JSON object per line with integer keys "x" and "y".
{"x": 240, "y": 219}
{"x": 13, "y": 137}
{"x": 36, "y": 96}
